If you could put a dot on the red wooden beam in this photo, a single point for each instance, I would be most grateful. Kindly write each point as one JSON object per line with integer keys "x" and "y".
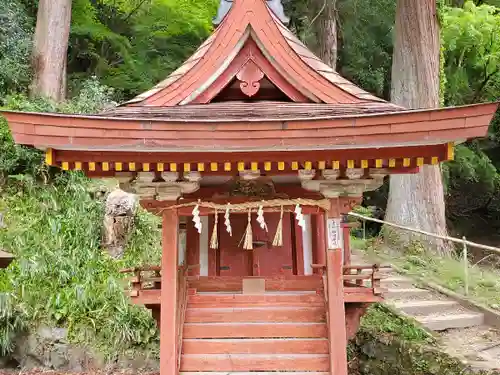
{"x": 361, "y": 153}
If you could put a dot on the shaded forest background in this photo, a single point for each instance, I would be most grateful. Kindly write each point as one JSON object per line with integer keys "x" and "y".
{"x": 119, "y": 48}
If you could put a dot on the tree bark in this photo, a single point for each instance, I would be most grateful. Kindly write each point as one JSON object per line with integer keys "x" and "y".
{"x": 50, "y": 48}
{"x": 417, "y": 200}
{"x": 325, "y": 30}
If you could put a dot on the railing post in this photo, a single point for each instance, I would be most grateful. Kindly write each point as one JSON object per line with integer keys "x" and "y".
{"x": 364, "y": 230}
{"x": 466, "y": 267}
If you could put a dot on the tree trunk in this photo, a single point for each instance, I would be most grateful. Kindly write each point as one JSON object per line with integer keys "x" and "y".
{"x": 50, "y": 48}
{"x": 325, "y": 30}
{"x": 417, "y": 200}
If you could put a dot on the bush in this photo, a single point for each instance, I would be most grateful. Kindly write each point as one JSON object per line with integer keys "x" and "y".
{"x": 61, "y": 274}
{"x": 12, "y": 321}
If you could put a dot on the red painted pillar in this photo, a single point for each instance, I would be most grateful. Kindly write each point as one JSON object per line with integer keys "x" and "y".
{"x": 346, "y": 229}
{"x": 319, "y": 241}
{"x": 168, "y": 334}
{"x": 337, "y": 334}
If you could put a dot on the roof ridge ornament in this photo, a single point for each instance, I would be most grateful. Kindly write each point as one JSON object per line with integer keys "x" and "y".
{"x": 275, "y": 6}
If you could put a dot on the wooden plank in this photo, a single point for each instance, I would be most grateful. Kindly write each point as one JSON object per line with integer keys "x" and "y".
{"x": 234, "y": 283}
{"x": 263, "y": 362}
{"x": 362, "y": 297}
{"x": 366, "y": 266}
{"x": 365, "y": 276}
{"x": 148, "y": 297}
{"x": 256, "y": 314}
{"x": 254, "y": 330}
{"x": 319, "y": 242}
{"x": 298, "y": 247}
{"x": 168, "y": 332}
{"x": 192, "y": 247}
{"x": 255, "y": 346}
{"x": 218, "y": 300}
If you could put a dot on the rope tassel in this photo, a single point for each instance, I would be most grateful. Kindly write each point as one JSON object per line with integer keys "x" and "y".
{"x": 248, "y": 243}
{"x": 278, "y": 237}
{"x": 214, "y": 241}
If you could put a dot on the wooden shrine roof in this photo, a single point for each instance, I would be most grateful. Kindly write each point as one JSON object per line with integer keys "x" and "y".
{"x": 242, "y": 111}
{"x": 251, "y": 133}
{"x": 195, "y": 110}
{"x": 253, "y": 20}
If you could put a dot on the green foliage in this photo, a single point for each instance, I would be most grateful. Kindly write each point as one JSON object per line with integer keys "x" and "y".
{"x": 381, "y": 318}
{"x": 365, "y": 56}
{"x": 132, "y": 44}
{"x": 16, "y": 159}
{"x": 60, "y": 273}
{"x": 15, "y": 45}
{"x": 471, "y": 38}
{"x": 13, "y": 319}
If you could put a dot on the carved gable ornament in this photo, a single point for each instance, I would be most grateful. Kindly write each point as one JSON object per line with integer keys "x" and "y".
{"x": 249, "y": 77}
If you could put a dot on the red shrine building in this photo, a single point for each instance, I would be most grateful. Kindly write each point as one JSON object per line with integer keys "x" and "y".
{"x": 252, "y": 151}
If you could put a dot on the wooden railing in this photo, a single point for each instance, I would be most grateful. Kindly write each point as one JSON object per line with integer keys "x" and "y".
{"x": 182, "y": 297}
{"x": 354, "y": 277}
{"x": 145, "y": 277}
{"x": 148, "y": 278}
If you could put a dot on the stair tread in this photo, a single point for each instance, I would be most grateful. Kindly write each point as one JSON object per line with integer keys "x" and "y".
{"x": 254, "y": 308}
{"x": 252, "y": 373}
{"x": 259, "y": 339}
{"x": 255, "y": 362}
{"x": 402, "y": 304}
{"x": 406, "y": 290}
{"x": 259, "y": 356}
{"x": 447, "y": 317}
{"x": 254, "y": 323}
{"x": 271, "y": 293}
{"x": 256, "y": 346}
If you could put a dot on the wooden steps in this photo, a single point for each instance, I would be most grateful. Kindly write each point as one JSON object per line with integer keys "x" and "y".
{"x": 256, "y": 314}
{"x": 255, "y": 362}
{"x": 249, "y": 330}
{"x": 256, "y": 346}
{"x": 260, "y": 334}
{"x": 268, "y": 299}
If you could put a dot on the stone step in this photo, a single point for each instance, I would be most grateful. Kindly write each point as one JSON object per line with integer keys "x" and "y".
{"x": 396, "y": 293}
{"x": 397, "y": 281}
{"x": 255, "y": 362}
{"x": 255, "y": 346}
{"x": 425, "y": 307}
{"x": 449, "y": 321}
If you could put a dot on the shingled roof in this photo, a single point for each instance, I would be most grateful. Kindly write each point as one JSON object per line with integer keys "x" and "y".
{"x": 252, "y": 21}
{"x": 215, "y": 102}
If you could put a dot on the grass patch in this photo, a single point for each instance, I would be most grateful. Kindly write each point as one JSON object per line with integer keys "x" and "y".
{"x": 61, "y": 277}
{"x": 380, "y": 318}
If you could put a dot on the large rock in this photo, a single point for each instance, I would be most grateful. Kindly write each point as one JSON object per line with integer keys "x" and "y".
{"x": 118, "y": 221}
{"x": 49, "y": 348}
